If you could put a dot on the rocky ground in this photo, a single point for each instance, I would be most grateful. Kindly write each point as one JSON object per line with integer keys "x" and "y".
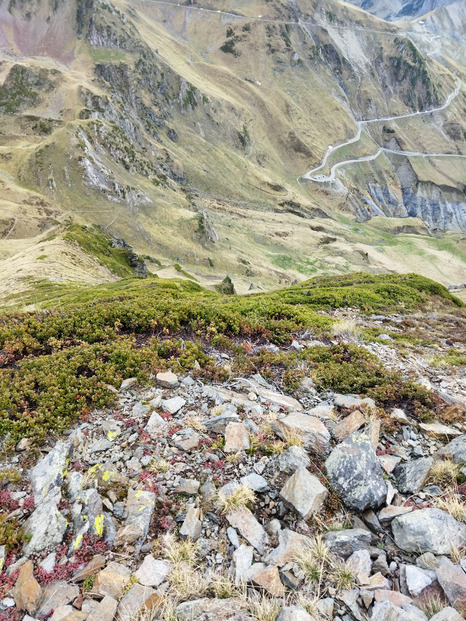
{"x": 198, "y": 501}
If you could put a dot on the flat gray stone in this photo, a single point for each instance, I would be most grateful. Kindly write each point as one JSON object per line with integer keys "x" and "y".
{"x": 236, "y": 438}
{"x": 447, "y": 614}
{"x": 344, "y": 543}
{"x": 140, "y": 507}
{"x": 189, "y": 487}
{"x": 452, "y": 579}
{"x": 255, "y": 482}
{"x": 156, "y": 426}
{"x": 316, "y": 434}
{"x": 46, "y": 527}
{"x": 455, "y": 450}
{"x": 242, "y": 561}
{"x": 412, "y": 476}
{"x": 355, "y": 473}
{"x": 167, "y": 379}
{"x": 428, "y": 530}
{"x": 152, "y": 572}
{"x": 219, "y": 423}
{"x": 417, "y": 579}
{"x": 192, "y": 525}
{"x": 47, "y": 476}
{"x": 174, "y": 404}
{"x": 289, "y": 545}
{"x": 292, "y": 459}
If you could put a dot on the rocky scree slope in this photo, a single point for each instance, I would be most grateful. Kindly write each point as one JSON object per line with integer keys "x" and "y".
{"x": 320, "y": 478}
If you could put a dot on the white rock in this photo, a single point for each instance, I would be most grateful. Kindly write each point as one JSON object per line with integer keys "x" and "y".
{"x": 174, "y": 404}
{"x": 152, "y": 572}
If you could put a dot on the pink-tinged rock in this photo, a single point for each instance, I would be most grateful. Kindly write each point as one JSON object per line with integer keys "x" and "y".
{"x": 389, "y": 462}
{"x": 289, "y": 545}
{"x": 112, "y": 580}
{"x": 105, "y": 611}
{"x": 394, "y": 597}
{"x": 452, "y": 579}
{"x": 167, "y": 379}
{"x": 27, "y": 592}
{"x": 267, "y": 578}
{"x": 138, "y": 600}
{"x": 236, "y": 438}
{"x": 351, "y": 423}
{"x": 387, "y": 514}
{"x": 244, "y": 521}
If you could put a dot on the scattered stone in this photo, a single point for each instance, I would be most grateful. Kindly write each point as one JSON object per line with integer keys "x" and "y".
{"x": 292, "y": 459}
{"x": 127, "y": 535}
{"x": 57, "y": 594}
{"x": 294, "y": 613}
{"x": 152, "y": 572}
{"x": 316, "y": 435}
{"x": 236, "y": 438}
{"x": 68, "y": 613}
{"x": 192, "y": 525}
{"x": 267, "y": 578}
{"x": 360, "y": 562}
{"x": 348, "y": 425}
{"x": 156, "y": 426}
{"x": 387, "y": 514}
{"x": 344, "y": 543}
{"x": 242, "y": 561}
{"x": 389, "y": 462}
{"x": 127, "y": 383}
{"x": 416, "y": 579}
{"x": 428, "y": 530}
{"x": 354, "y": 471}
{"x": 212, "y": 610}
{"x": 167, "y": 379}
{"x": 399, "y": 416}
{"x": 394, "y": 597}
{"x": 174, "y": 404}
{"x": 45, "y": 528}
{"x": 47, "y": 476}
{"x": 353, "y": 401}
{"x": 27, "y": 592}
{"x": 289, "y": 544}
{"x": 189, "y": 487}
{"x": 412, "y": 476}
{"x": 439, "y": 431}
{"x": 447, "y": 614}
{"x": 94, "y": 565}
{"x": 452, "y": 579}
{"x": 112, "y": 580}
{"x": 455, "y": 450}
{"x": 139, "y": 599}
{"x": 304, "y": 493}
{"x": 105, "y": 611}
{"x": 219, "y": 423}
{"x": 140, "y": 506}
{"x": 244, "y": 521}
{"x": 255, "y": 482}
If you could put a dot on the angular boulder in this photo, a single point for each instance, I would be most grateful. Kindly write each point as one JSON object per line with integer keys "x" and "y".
{"x": 428, "y": 530}
{"x": 355, "y": 473}
{"x": 304, "y": 493}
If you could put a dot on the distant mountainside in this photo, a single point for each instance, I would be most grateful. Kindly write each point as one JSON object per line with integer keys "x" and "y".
{"x": 270, "y": 140}
{"x": 400, "y": 9}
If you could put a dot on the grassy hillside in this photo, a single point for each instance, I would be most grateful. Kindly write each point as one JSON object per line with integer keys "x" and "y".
{"x": 58, "y": 363}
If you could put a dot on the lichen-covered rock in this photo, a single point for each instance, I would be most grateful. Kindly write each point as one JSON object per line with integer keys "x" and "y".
{"x": 47, "y": 476}
{"x": 412, "y": 476}
{"x": 355, "y": 473}
{"x": 44, "y": 528}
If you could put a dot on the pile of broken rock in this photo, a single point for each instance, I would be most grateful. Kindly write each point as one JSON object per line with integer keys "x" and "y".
{"x": 265, "y": 486}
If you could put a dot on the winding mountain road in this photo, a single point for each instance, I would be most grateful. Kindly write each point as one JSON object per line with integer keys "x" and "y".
{"x": 311, "y": 175}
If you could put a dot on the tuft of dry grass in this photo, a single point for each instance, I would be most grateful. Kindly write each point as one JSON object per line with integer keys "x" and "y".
{"x": 223, "y": 586}
{"x": 159, "y": 464}
{"x": 444, "y": 472}
{"x": 347, "y": 329}
{"x": 263, "y": 608}
{"x": 240, "y": 497}
{"x": 457, "y": 554}
{"x": 453, "y": 505}
{"x": 194, "y": 422}
{"x": 431, "y": 606}
{"x": 313, "y": 560}
{"x": 178, "y": 552}
{"x": 343, "y": 576}
{"x": 292, "y": 436}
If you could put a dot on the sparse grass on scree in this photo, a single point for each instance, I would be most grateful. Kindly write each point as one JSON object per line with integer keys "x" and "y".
{"x": 56, "y": 363}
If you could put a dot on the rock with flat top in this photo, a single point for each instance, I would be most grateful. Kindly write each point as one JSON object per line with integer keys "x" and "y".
{"x": 447, "y": 614}
{"x": 152, "y": 572}
{"x": 167, "y": 379}
{"x": 47, "y": 476}
{"x": 294, "y": 613}
{"x": 174, "y": 404}
{"x": 140, "y": 507}
{"x": 267, "y": 578}
{"x": 139, "y": 599}
{"x": 345, "y": 542}
{"x": 112, "y": 580}
{"x": 439, "y": 430}
{"x": 57, "y": 594}
{"x": 292, "y": 459}
{"x": 156, "y": 426}
{"x": 255, "y": 482}
{"x": 315, "y": 433}
{"x": 417, "y": 579}
{"x": 44, "y": 528}
{"x": 105, "y": 611}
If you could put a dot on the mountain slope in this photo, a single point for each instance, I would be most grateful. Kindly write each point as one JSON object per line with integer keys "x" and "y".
{"x": 400, "y": 9}
{"x": 187, "y": 131}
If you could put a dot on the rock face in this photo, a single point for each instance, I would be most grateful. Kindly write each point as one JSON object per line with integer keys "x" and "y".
{"x": 355, "y": 473}
{"x": 428, "y": 530}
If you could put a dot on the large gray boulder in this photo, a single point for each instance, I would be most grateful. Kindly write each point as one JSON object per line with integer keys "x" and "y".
{"x": 356, "y": 474}
{"x": 428, "y": 530}
{"x": 44, "y": 528}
